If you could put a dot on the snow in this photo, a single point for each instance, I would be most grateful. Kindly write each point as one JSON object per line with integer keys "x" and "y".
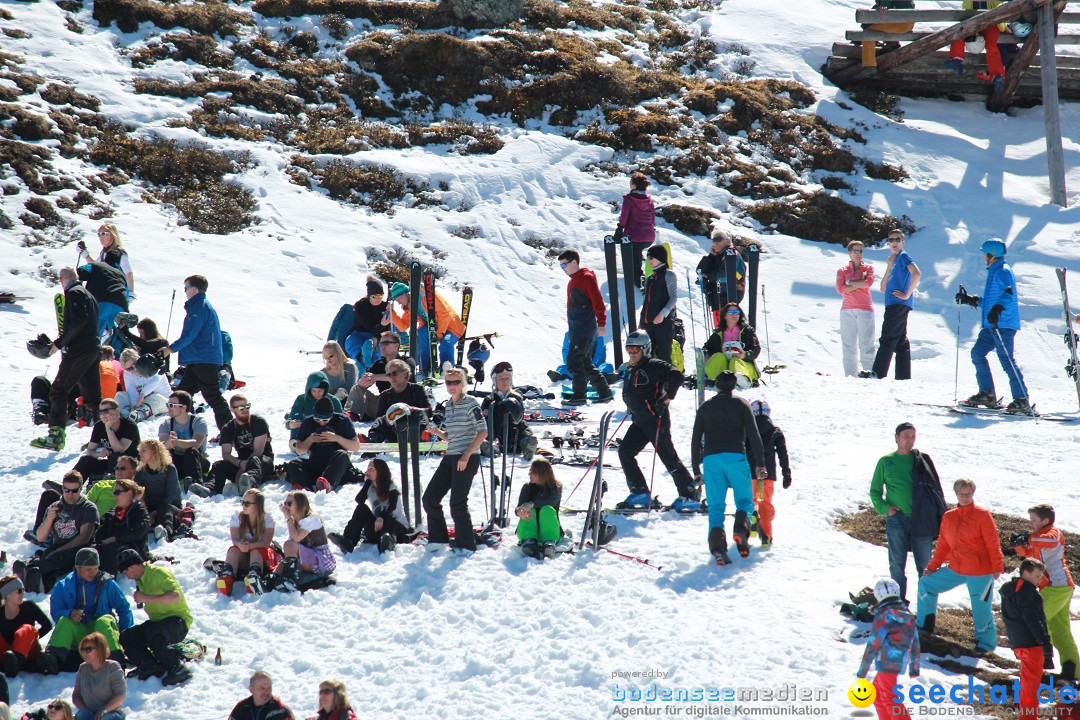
{"x": 414, "y": 634}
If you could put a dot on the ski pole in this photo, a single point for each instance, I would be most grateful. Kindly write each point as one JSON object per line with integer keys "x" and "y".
{"x": 656, "y": 447}
{"x": 593, "y": 464}
{"x": 765, "y": 316}
{"x": 171, "y": 303}
{"x": 956, "y": 371}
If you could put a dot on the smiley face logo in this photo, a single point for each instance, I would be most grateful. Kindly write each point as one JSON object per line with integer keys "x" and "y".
{"x": 861, "y": 693}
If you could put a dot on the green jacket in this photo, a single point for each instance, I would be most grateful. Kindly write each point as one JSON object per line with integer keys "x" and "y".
{"x": 893, "y": 474}
{"x": 159, "y": 581}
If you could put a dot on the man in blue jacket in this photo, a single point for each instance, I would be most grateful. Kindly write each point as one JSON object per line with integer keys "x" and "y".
{"x": 85, "y": 601}
{"x": 1000, "y": 322}
{"x": 200, "y": 349}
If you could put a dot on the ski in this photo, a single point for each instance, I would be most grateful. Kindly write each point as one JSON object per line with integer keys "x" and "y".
{"x": 414, "y": 448}
{"x": 594, "y": 519}
{"x": 466, "y": 309}
{"x": 552, "y": 415}
{"x": 58, "y": 305}
{"x": 962, "y": 409}
{"x": 414, "y": 314}
{"x": 626, "y": 250}
{"x": 731, "y": 276}
{"x": 431, "y": 322}
{"x": 754, "y": 254}
{"x": 11, "y": 298}
{"x": 1072, "y": 369}
{"x": 403, "y": 458}
{"x": 611, "y": 263}
{"x": 425, "y": 447}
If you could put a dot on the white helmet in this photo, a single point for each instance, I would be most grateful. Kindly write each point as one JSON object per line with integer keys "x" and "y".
{"x": 760, "y": 407}
{"x": 975, "y": 45}
{"x": 396, "y": 412}
{"x": 1019, "y": 28}
{"x": 886, "y": 588}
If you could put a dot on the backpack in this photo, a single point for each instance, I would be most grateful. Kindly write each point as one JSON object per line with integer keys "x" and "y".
{"x": 226, "y": 349}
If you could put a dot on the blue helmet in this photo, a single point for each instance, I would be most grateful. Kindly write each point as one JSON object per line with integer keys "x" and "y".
{"x": 994, "y": 248}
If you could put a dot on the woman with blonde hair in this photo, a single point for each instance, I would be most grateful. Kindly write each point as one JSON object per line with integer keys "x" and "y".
{"x": 157, "y": 475}
{"x": 307, "y": 549}
{"x": 340, "y": 370}
{"x": 334, "y": 702}
{"x": 251, "y": 552}
{"x": 59, "y": 710}
{"x": 109, "y": 237}
{"x": 125, "y": 525}
{"x": 100, "y": 687}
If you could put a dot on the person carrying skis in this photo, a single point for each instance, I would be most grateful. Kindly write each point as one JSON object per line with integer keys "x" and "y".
{"x": 893, "y": 645}
{"x": 1025, "y": 625}
{"x": 723, "y": 428}
{"x": 774, "y": 445}
{"x": 449, "y": 328}
{"x": 898, "y": 283}
{"x": 1000, "y": 322}
{"x": 586, "y": 319}
{"x": 78, "y": 364}
{"x": 637, "y": 220}
{"x": 1047, "y": 544}
{"x": 853, "y": 282}
{"x": 659, "y": 294}
{"x": 648, "y": 388}
{"x": 714, "y": 275}
{"x": 522, "y": 439}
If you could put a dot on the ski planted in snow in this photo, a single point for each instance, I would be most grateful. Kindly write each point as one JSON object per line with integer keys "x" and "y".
{"x": 731, "y": 277}
{"x": 754, "y": 255}
{"x": 595, "y": 528}
{"x": 1072, "y": 369}
{"x": 611, "y": 262}
{"x": 431, "y": 322}
{"x": 414, "y": 314}
{"x": 414, "y": 450}
{"x": 466, "y": 309}
{"x": 402, "y": 429}
{"x": 626, "y": 251}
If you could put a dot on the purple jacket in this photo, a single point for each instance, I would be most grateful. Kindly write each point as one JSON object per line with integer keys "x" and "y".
{"x": 638, "y": 217}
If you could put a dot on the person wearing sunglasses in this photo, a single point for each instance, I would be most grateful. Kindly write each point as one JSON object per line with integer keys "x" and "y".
{"x": 853, "y": 282}
{"x": 340, "y": 370}
{"x": 327, "y": 437}
{"x": 126, "y": 525}
{"x": 370, "y": 317}
{"x": 144, "y": 395}
{"x": 200, "y": 348}
{"x": 21, "y": 626}
{"x": 464, "y": 430}
{"x": 112, "y": 436}
{"x": 401, "y": 390}
{"x": 100, "y": 687}
{"x": 586, "y": 319}
{"x": 247, "y": 456}
{"x": 733, "y": 346}
{"x": 899, "y": 281}
{"x": 251, "y": 553}
{"x": 81, "y": 346}
{"x": 59, "y": 710}
{"x": 363, "y": 401}
{"x": 307, "y": 550}
{"x": 150, "y": 645}
{"x": 334, "y": 702}
{"x": 84, "y": 601}
{"x": 68, "y": 525}
{"x": 109, "y": 237}
{"x": 262, "y": 704}
{"x": 184, "y": 436}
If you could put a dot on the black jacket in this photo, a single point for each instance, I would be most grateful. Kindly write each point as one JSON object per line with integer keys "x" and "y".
{"x": 1022, "y": 613}
{"x": 774, "y": 444}
{"x": 645, "y": 384}
{"x": 747, "y": 337}
{"x": 131, "y": 531}
{"x": 725, "y": 424}
{"x": 517, "y": 431}
{"x": 80, "y": 320}
{"x": 105, "y": 283}
{"x": 927, "y": 499}
{"x": 273, "y": 710}
{"x": 539, "y": 496}
{"x": 368, "y": 318}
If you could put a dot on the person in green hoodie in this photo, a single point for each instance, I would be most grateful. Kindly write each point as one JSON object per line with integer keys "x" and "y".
{"x": 148, "y": 645}
{"x": 303, "y": 407}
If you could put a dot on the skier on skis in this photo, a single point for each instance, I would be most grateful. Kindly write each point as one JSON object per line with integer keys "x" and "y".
{"x": 722, "y": 428}
{"x": 775, "y": 446}
{"x": 1000, "y": 323}
{"x": 648, "y": 388}
{"x": 586, "y": 318}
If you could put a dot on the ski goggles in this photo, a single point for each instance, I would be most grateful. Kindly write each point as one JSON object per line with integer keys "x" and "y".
{"x": 502, "y": 367}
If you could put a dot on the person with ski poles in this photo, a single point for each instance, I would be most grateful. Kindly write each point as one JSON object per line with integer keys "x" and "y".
{"x": 649, "y": 386}
{"x": 723, "y": 428}
{"x": 1000, "y": 306}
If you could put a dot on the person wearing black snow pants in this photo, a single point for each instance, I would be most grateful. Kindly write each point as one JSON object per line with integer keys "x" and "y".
{"x": 586, "y": 319}
{"x": 899, "y": 281}
{"x": 649, "y": 385}
{"x": 464, "y": 430}
{"x": 658, "y": 302}
{"x": 328, "y": 437}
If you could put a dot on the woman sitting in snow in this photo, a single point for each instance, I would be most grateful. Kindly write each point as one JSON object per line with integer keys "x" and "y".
{"x": 733, "y": 346}
{"x": 306, "y": 550}
{"x": 538, "y": 507}
{"x": 125, "y": 525}
{"x": 157, "y": 475}
{"x": 379, "y": 518}
{"x": 143, "y": 396}
{"x": 251, "y": 552}
{"x": 340, "y": 370}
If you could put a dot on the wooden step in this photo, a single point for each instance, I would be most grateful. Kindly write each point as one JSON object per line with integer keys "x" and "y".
{"x": 860, "y": 35}
{"x": 849, "y": 50}
{"x": 868, "y": 17}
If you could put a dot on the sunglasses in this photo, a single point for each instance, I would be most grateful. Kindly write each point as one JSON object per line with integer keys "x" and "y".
{"x": 247, "y": 503}
{"x": 733, "y": 312}
{"x": 120, "y": 491}
{"x": 189, "y": 287}
{"x": 451, "y": 383}
{"x": 389, "y": 342}
{"x": 56, "y": 706}
{"x": 395, "y": 373}
{"x": 175, "y": 405}
{"x": 72, "y": 491}
{"x": 241, "y": 408}
{"x": 633, "y": 349}
{"x": 86, "y": 648}
{"x": 107, "y": 411}
{"x": 855, "y": 250}
{"x": 563, "y": 265}
{"x": 896, "y": 239}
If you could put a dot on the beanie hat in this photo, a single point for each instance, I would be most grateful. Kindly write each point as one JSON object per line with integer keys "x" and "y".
{"x": 374, "y": 286}
{"x": 658, "y": 252}
{"x": 398, "y": 289}
{"x": 87, "y": 557}
{"x": 725, "y": 382}
{"x": 11, "y": 586}
{"x": 324, "y": 408}
{"x": 127, "y": 558}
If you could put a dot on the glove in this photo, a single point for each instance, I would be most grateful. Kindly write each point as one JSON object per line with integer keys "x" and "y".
{"x": 962, "y": 298}
{"x": 1018, "y": 539}
{"x": 699, "y": 479}
{"x": 787, "y": 480}
{"x": 994, "y": 314}
{"x": 1048, "y": 658}
{"x": 619, "y": 233}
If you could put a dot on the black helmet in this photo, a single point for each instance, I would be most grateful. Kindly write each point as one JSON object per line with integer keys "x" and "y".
{"x": 725, "y": 382}
{"x": 148, "y": 365}
{"x": 39, "y": 347}
{"x": 510, "y": 407}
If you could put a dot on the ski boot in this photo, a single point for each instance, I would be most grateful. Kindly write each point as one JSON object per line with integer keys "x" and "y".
{"x": 40, "y": 413}
{"x": 253, "y": 582}
{"x": 140, "y": 412}
{"x": 718, "y": 546}
{"x": 387, "y": 542}
{"x": 549, "y": 549}
{"x": 343, "y": 545}
{"x": 955, "y": 65}
{"x": 766, "y": 541}
{"x": 11, "y": 663}
{"x": 225, "y": 582}
{"x": 53, "y": 441}
{"x": 321, "y": 485}
{"x": 634, "y": 500}
{"x": 686, "y": 505}
{"x": 983, "y": 398}
{"x": 530, "y": 548}
{"x": 34, "y": 582}
{"x": 290, "y": 575}
{"x": 1019, "y": 406}
{"x": 741, "y": 533}
{"x": 178, "y": 675}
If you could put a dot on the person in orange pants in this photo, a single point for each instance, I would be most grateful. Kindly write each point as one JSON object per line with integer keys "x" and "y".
{"x": 21, "y": 624}
{"x": 996, "y": 69}
{"x": 1025, "y": 625}
{"x": 893, "y": 645}
{"x": 772, "y": 438}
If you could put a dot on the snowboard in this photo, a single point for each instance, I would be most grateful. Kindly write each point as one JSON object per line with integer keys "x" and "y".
{"x": 568, "y": 392}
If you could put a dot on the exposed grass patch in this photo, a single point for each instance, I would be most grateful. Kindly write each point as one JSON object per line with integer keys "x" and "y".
{"x": 209, "y": 17}
{"x": 395, "y": 265}
{"x": 24, "y": 124}
{"x": 61, "y": 94}
{"x": 266, "y": 94}
{"x": 467, "y": 138}
{"x": 374, "y": 186}
{"x": 880, "y": 102}
{"x": 548, "y": 247}
{"x": 42, "y": 214}
{"x": 822, "y": 217}
{"x": 885, "y": 171}
{"x": 688, "y": 219}
{"x": 420, "y": 15}
{"x": 835, "y": 182}
{"x": 202, "y": 49}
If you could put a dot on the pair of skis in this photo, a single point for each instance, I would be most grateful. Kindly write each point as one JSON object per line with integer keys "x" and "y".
{"x": 408, "y": 434}
{"x": 419, "y": 277}
{"x": 731, "y": 280}
{"x": 614, "y": 249}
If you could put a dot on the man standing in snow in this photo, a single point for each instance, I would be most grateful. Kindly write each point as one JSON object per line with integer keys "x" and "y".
{"x": 714, "y": 275}
{"x": 853, "y": 282}
{"x": 898, "y": 283}
{"x": 1000, "y": 323}
{"x": 586, "y": 318}
{"x": 907, "y": 492}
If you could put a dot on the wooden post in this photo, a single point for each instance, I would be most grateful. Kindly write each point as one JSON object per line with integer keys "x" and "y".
{"x": 1055, "y": 156}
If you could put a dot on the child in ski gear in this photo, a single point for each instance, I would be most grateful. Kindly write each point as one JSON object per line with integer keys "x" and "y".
{"x": 774, "y": 445}
{"x": 1025, "y": 626}
{"x": 586, "y": 319}
{"x": 1047, "y": 544}
{"x": 334, "y": 702}
{"x": 245, "y": 447}
{"x": 157, "y": 475}
{"x": 22, "y": 624}
{"x": 898, "y": 283}
{"x": 1000, "y": 305}
{"x": 79, "y": 363}
{"x": 112, "y": 436}
{"x": 660, "y": 292}
{"x": 149, "y": 645}
{"x": 100, "y": 686}
{"x": 371, "y": 318}
{"x": 303, "y": 407}
{"x": 328, "y": 437}
{"x": 853, "y": 282}
{"x": 522, "y": 439}
{"x": 893, "y": 645}
{"x": 125, "y": 525}
{"x": 449, "y": 328}
{"x": 464, "y": 430}
{"x": 379, "y": 518}
{"x": 723, "y": 428}
{"x": 733, "y": 346}
{"x": 251, "y": 553}
{"x": 68, "y": 525}
{"x": 538, "y": 528}
{"x": 340, "y": 371}
{"x": 637, "y": 220}
{"x": 261, "y": 704}
{"x": 989, "y": 37}
{"x": 200, "y": 348}
{"x": 649, "y": 387}
{"x": 714, "y": 275}
{"x": 85, "y": 600}
{"x": 307, "y": 549}
{"x": 906, "y": 491}
{"x": 109, "y": 237}
{"x": 184, "y": 436}
{"x": 143, "y": 396}
{"x": 970, "y": 545}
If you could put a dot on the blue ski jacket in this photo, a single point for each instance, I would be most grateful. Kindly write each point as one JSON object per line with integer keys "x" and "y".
{"x": 1000, "y": 290}
{"x": 200, "y": 340}
{"x": 71, "y": 592}
{"x": 894, "y": 640}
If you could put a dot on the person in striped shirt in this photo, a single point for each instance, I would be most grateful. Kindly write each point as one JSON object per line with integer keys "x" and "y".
{"x": 1047, "y": 544}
